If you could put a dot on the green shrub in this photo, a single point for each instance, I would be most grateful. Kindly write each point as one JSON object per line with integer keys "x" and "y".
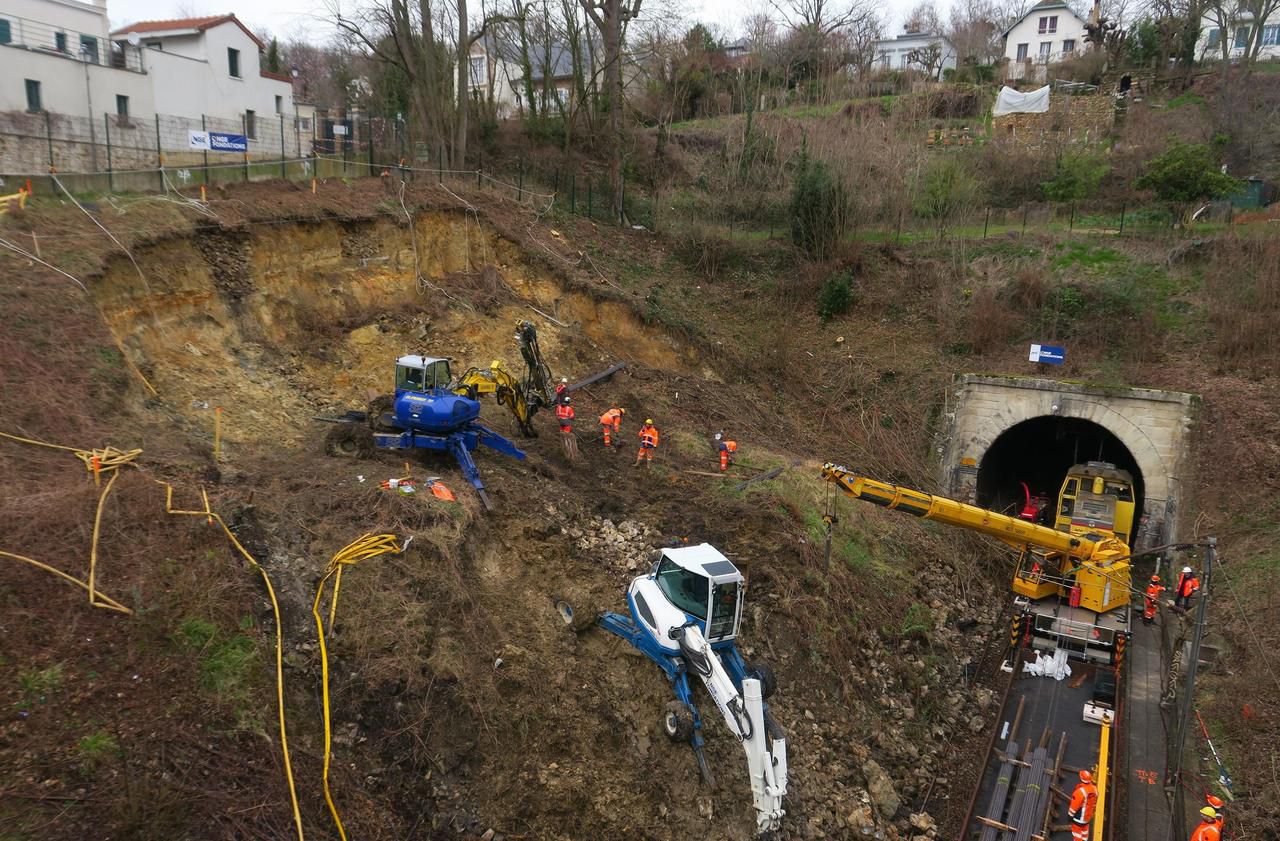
{"x": 1076, "y": 177}
{"x": 1184, "y": 174}
{"x": 836, "y": 296}
{"x": 946, "y": 190}
{"x": 819, "y": 208}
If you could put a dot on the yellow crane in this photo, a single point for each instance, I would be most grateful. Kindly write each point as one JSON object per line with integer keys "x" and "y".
{"x": 1086, "y": 570}
{"x": 522, "y": 396}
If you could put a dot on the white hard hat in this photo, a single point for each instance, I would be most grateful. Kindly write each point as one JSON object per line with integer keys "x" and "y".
{"x": 564, "y": 379}
{"x": 719, "y": 435}
{"x": 1186, "y": 569}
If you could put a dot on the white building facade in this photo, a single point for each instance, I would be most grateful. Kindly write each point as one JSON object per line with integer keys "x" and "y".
{"x": 1240, "y": 32}
{"x": 1049, "y": 32}
{"x": 898, "y": 53}
{"x": 57, "y": 56}
{"x": 211, "y": 67}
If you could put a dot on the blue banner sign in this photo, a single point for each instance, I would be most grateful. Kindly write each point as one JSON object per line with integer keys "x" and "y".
{"x": 216, "y": 141}
{"x": 1048, "y": 354}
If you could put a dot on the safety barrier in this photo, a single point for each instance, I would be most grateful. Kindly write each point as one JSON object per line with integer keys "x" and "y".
{"x": 20, "y": 197}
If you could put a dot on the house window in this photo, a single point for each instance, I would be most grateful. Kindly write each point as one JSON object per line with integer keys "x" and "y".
{"x": 1044, "y": 50}
{"x": 1068, "y": 46}
{"x": 155, "y": 45}
{"x": 60, "y": 41}
{"x": 250, "y": 127}
{"x": 122, "y": 106}
{"x": 33, "y": 96}
{"x": 903, "y": 59}
{"x": 302, "y": 124}
{"x": 233, "y": 62}
{"x": 89, "y": 48}
{"x": 1022, "y": 52}
{"x": 1215, "y": 37}
{"x": 1242, "y": 36}
{"x": 1271, "y": 35}
{"x": 1048, "y": 25}
{"x": 479, "y": 75}
{"x": 279, "y": 104}
{"x": 6, "y": 34}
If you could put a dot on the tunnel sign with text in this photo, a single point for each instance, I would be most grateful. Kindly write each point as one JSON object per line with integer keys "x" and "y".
{"x": 217, "y": 141}
{"x": 1049, "y": 354}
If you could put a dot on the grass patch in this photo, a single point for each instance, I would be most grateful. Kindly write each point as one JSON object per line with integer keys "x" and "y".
{"x": 1183, "y": 99}
{"x": 1084, "y": 255}
{"x": 228, "y": 663}
{"x": 97, "y": 747}
{"x": 38, "y": 685}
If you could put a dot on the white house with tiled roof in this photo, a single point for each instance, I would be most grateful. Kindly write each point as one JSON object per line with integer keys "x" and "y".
{"x": 211, "y": 66}
{"x": 1049, "y": 32}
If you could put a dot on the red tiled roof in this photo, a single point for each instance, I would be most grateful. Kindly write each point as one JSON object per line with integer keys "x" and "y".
{"x": 198, "y": 24}
{"x": 279, "y": 77}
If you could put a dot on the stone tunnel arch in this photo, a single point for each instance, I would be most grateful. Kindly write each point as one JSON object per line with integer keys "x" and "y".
{"x": 1039, "y": 451}
{"x": 998, "y": 426}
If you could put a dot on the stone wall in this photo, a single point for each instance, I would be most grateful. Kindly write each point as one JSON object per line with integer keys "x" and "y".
{"x": 1070, "y": 119}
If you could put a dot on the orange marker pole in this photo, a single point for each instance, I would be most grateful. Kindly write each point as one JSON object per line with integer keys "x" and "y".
{"x": 204, "y": 195}
{"x": 313, "y": 186}
{"x": 217, "y": 434}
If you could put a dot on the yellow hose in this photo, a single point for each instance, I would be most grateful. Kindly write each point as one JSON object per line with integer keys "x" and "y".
{"x": 366, "y": 546}
{"x": 275, "y": 607}
{"x": 106, "y": 601}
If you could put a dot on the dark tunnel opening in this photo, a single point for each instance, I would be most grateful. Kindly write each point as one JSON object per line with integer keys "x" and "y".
{"x": 1039, "y": 452}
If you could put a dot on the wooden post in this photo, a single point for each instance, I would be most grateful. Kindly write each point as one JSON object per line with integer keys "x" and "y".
{"x": 283, "y": 173}
{"x": 159, "y": 155}
{"x": 244, "y": 129}
{"x": 985, "y": 223}
{"x": 1122, "y": 210}
{"x": 205, "y": 128}
{"x": 106, "y": 121}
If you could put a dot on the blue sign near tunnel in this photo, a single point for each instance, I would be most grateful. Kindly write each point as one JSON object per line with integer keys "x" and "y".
{"x": 1049, "y": 354}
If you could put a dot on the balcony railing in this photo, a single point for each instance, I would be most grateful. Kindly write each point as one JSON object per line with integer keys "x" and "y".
{"x": 48, "y": 39}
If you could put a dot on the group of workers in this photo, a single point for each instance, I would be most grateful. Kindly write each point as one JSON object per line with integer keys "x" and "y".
{"x": 1186, "y": 589}
{"x": 611, "y": 427}
{"x": 1084, "y": 802}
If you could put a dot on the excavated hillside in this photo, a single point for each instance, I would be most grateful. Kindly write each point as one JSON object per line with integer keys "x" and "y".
{"x": 462, "y": 705}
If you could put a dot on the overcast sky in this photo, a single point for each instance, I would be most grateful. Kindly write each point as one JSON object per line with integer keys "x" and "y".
{"x": 288, "y": 19}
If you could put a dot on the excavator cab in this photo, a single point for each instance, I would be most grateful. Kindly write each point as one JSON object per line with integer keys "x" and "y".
{"x": 708, "y": 590}
{"x": 421, "y": 373}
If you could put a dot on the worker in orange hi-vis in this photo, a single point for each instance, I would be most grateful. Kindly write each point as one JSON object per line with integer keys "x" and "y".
{"x": 1083, "y": 801}
{"x": 1152, "y": 599}
{"x": 727, "y": 450}
{"x": 648, "y": 443}
{"x": 1217, "y": 805}
{"x": 611, "y": 423}
{"x": 565, "y": 416}
{"x": 1208, "y": 830}
{"x": 1188, "y": 586}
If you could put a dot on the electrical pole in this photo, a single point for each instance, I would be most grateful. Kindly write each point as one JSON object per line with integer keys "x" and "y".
{"x": 1174, "y": 778}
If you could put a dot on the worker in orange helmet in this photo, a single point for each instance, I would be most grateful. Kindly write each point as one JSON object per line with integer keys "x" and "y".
{"x": 1188, "y": 586}
{"x": 565, "y": 414}
{"x": 727, "y": 449}
{"x": 1217, "y": 805}
{"x": 611, "y": 423}
{"x": 1152, "y": 599}
{"x": 1208, "y": 830}
{"x": 648, "y": 443}
{"x": 1083, "y": 801}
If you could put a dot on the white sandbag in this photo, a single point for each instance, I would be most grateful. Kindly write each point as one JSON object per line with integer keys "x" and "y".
{"x": 1055, "y": 667}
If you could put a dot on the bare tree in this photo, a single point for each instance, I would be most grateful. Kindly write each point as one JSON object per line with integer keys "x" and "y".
{"x": 974, "y": 31}
{"x": 924, "y": 18}
{"x": 823, "y": 16}
{"x": 610, "y": 18}
{"x": 1236, "y": 17}
{"x": 928, "y": 58}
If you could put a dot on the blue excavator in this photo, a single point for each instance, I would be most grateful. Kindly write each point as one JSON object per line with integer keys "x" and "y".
{"x": 432, "y": 410}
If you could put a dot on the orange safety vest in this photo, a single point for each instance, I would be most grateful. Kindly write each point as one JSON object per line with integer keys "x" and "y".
{"x": 565, "y": 413}
{"x": 1207, "y": 831}
{"x": 613, "y": 418}
{"x": 649, "y": 437}
{"x": 1154, "y": 591}
{"x": 1083, "y": 801}
{"x": 729, "y": 446}
{"x": 1188, "y": 584}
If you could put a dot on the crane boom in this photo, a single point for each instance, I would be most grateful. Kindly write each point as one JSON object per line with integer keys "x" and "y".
{"x": 1096, "y": 565}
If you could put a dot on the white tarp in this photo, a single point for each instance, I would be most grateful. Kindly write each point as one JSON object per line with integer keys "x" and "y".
{"x": 1055, "y": 667}
{"x": 1014, "y": 102}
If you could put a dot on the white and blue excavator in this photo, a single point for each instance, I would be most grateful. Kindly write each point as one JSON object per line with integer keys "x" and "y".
{"x": 684, "y": 617}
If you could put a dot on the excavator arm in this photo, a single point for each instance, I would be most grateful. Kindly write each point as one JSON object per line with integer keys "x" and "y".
{"x": 1098, "y": 564}
{"x": 745, "y": 716}
{"x": 523, "y": 397}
